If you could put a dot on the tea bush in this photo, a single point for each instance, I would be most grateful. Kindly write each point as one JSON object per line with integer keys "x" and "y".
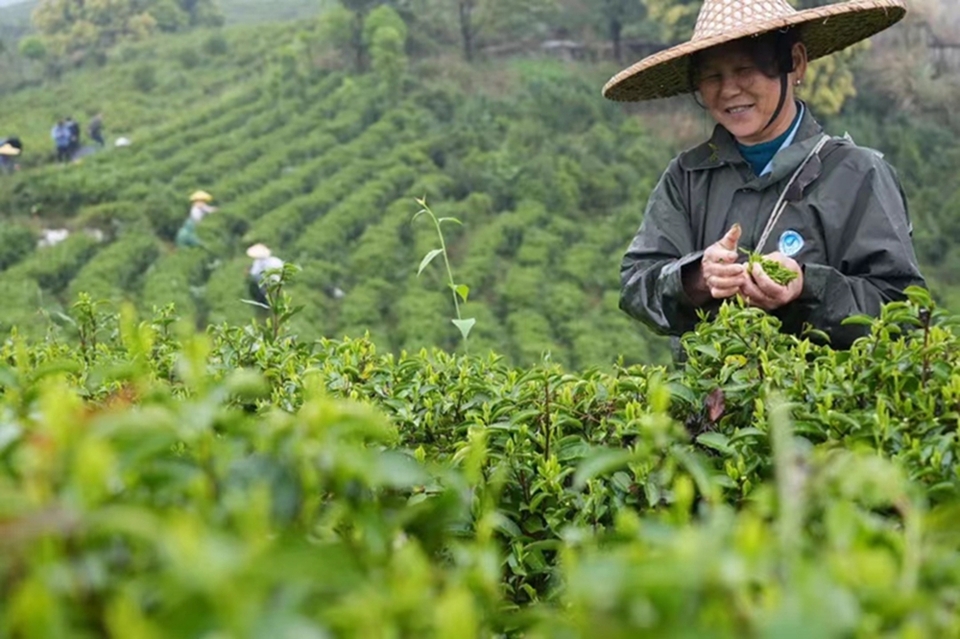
{"x": 328, "y": 176}
{"x": 248, "y": 481}
{"x": 16, "y": 243}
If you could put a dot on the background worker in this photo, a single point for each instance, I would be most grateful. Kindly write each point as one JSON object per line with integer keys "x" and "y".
{"x": 61, "y": 140}
{"x": 9, "y": 150}
{"x": 200, "y": 206}
{"x": 263, "y": 262}
{"x": 95, "y": 129}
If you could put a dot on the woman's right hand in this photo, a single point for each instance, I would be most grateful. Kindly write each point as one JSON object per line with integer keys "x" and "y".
{"x": 719, "y": 275}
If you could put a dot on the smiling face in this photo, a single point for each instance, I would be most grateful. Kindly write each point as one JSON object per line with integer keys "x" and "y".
{"x": 740, "y": 83}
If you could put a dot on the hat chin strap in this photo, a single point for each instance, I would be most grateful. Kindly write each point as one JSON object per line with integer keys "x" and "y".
{"x": 784, "y": 83}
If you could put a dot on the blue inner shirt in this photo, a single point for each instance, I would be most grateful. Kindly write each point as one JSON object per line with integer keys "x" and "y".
{"x": 761, "y": 155}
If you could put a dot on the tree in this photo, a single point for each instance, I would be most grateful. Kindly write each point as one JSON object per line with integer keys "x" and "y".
{"x": 336, "y": 29}
{"x": 385, "y": 35}
{"x": 33, "y": 49}
{"x": 479, "y": 18}
{"x": 78, "y": 27}
{"x": 467, "y": 32}
{"x": 615, "y": 14}
{"x": 359, "y": 9}
{"x": 675, "y": 18}
{"x": 830, "y": 83}
{"x": 169, "y": 16}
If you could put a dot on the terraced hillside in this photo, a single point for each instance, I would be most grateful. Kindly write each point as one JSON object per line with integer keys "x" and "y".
{"x": 326, "y": 172}
{"x": 324, "y": 165}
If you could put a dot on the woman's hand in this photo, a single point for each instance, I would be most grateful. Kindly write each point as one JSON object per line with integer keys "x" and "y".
{"x": 719, "y": 275}
{"x": 761, "y": 291}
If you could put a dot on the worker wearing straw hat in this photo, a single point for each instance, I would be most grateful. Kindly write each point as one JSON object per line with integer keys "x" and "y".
{"x": 9, "y": 149}
{"x": 768, "y": 180}
{"x": 200, "y": 206}
{"x": 264, "y": 261}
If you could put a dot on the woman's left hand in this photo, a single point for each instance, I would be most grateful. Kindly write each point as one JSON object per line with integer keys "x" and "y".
{"x": 759, "y": 290}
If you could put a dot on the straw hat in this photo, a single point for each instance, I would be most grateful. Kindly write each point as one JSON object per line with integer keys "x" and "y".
{"x": 258, "y": 252}
{"x": 200, "y": 196}
{"x": 823, "y": 30}
{"x": 9, "y": 149}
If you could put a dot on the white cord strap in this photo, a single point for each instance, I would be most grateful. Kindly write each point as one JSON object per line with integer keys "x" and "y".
{"x": 782, "y": 202}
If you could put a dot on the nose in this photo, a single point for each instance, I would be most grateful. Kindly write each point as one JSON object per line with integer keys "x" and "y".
{"x": 729, "y": 85}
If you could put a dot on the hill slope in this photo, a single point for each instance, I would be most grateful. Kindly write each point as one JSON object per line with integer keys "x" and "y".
{"x": 324, "y": 166}
{"x": 15, "y": 14}
{"x": 326, "y": 172}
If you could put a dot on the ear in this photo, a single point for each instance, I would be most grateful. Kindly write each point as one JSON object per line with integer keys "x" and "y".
{"x": 799, "y": 54}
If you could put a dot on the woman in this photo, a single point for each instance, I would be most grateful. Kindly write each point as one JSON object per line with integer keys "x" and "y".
{"x": 265, "y": 264}
{"x": 769, "y": 180}
{"x": 9, "y": 150}
{"x": 200, "y": 206}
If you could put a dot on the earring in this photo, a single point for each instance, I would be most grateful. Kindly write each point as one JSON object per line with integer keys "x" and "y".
{"x": 797, "y": 83}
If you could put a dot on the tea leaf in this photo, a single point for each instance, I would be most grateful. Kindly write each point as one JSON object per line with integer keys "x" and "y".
{"x": 429, "y": 257}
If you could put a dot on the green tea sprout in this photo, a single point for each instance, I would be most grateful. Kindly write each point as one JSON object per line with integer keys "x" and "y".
{"x": 774, "y": 269}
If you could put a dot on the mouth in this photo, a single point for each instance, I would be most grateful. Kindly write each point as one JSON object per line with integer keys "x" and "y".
{"x": 737, "y": 110}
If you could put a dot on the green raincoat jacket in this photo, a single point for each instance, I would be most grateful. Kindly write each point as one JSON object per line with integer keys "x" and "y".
{"x": 847, "y": 207}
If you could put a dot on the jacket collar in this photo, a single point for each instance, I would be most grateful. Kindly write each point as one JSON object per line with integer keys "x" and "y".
{"x": 721, "y": 149}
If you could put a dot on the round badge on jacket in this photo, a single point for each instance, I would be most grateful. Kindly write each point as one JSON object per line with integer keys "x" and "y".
{"x": 790, "y": 243}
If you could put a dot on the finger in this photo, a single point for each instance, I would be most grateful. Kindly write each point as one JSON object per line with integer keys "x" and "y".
{"x": 729, "y": 241}
{"x": 723, "y": 270}
{"x": 722, "y": 293}
{"x": 755, "y": 296}
{"x": 716, "y": 254}
{"x": 715, "y": 281}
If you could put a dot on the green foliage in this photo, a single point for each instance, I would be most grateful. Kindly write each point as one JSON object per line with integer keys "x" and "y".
{"x": 336, "y": 27}
{"x": 189, "y": 58}
{"x": 33, "y": 48}
{"x": 768, "y": 487}
{"x": 777, "y": 272}
{"x": 78, "y": 29}
{"x": 385, "y": 35}
{"x": 169, "y": 16}
{"x": 460, "y": 292}
{"x": 16, "y": 242}
{"x": 145, "y": 78}
{"x": 675, "y": 18}
{"x": 115, "y": 269}
{"x": 325, "y": 166}
{"x": 383, "y": 17}
{"x": 216, "y": 44}
{"x": 829, "y": 83}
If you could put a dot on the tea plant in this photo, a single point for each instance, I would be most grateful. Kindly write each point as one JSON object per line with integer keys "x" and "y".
{"x": 460, "y": 292}
{"x": 245, "y": 481}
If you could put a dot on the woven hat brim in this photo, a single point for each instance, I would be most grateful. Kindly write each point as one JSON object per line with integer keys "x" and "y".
{"x": 823, "y": 30}
{"x": 259, "y": 252}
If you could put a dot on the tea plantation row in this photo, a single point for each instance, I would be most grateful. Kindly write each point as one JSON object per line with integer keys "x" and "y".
{"x": 248, "y": 482}
{"x": 325, "y": 169}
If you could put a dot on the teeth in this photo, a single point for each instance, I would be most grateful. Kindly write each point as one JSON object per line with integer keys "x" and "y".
{"x": 738, "y": 109}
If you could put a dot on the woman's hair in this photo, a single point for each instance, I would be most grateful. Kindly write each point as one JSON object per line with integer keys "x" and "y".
{"x": 772, "y": 52}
